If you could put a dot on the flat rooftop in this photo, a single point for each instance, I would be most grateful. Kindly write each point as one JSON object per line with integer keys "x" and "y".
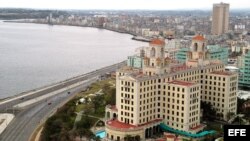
{"x": 226, "y": 73}
{"x": 182, "y": 83}
{"x": 179, "y": 68}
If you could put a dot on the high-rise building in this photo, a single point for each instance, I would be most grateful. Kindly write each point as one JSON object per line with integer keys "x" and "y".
{"x": 220, "y": 19}
{"x": 243, "y": 62}
{"x": 166, "y": 94}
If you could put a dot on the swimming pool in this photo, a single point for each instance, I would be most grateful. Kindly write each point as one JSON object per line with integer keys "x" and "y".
{"x": 100, "y": 134}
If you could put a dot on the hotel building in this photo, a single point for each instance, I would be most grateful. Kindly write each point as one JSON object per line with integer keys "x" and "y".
{"x": 166, "y": 92}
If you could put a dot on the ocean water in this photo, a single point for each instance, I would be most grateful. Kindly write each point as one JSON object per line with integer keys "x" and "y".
{"x": 35, "y": 55}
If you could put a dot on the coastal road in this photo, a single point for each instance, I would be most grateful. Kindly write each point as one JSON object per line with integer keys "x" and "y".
{"x": 26, "y": 121}
{"x": 7, "y": 106}
{"x": 28, "y": 118}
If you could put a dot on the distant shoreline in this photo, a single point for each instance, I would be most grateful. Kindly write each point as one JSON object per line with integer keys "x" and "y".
{"x": 123, "y": 32}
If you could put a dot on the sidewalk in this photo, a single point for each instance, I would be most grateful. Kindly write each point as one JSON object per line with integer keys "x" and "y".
{"x": 5, "y": 119}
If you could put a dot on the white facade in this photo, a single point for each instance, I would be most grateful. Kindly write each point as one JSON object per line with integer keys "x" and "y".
{"x": 165, "y": 91}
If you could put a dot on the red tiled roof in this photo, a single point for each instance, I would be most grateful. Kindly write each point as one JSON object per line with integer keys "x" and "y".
{"x": 113, "y": 107}
{"x": 222, "y": 73}
{"x": 117, "y": 124}
{"x": 160, "y": 140}
{"x": 179, "y": 68}
{"x": 183, "y": 83}
{"x": 170, "y": 136}
{"x": 157, "y": 42}
{"x": 199, "y": 38}
{"x": 157, "y": 120}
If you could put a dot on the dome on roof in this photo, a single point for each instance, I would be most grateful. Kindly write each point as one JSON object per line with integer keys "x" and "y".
{"x": 199, "y": 38}
{"x": 157, "y": 42}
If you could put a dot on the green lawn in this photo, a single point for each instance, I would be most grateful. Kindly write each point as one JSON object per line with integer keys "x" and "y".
{"x": 80, "y": 107}
{"x": 95, "y": 87}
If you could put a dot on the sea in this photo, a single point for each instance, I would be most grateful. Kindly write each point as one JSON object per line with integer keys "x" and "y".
{"x": 36, "y": 55}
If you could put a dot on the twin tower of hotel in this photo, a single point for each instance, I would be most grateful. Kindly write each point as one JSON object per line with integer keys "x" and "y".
{"x": 166, "y": 92}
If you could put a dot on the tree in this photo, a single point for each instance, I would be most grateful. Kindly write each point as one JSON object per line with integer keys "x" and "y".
{"x": 96, "y": 138}
{"x": 247, "y": 112}
{"x": 105, "y": 88}
{"x": 230, "y": 115}
{"x": 240, "y": 103}
{"x": 110, "y": 96}
{"x": 83, "y": 132}
{"x": 85, "y": 123}
{"x": 97, "y": 101}
{"x": 208, "y": 111}
{"x": 52, "y": 128}
{"x": 208, "y": 138}
{"x": 64, "y": 136}
{"x": 87, "y": 109}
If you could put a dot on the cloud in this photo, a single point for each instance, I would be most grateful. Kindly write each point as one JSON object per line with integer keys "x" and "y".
{"x": 121, "y": 4}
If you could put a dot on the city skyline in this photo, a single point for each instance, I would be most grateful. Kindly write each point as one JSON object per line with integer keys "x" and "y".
{"x": 122, "y": 5}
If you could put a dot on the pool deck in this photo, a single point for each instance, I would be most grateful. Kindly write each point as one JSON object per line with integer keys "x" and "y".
{"x": 101, "y": 134}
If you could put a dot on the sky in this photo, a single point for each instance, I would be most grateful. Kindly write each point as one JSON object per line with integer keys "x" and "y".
{"x": 123, "y": 4}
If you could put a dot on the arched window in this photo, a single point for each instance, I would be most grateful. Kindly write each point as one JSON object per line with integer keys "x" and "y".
{"x": 114, "y": 116}
{"x": 142, "y": 53}
{"x": 108, "y": 115}
{"x": 195, "y": 46}
{"x": 162, "y": 52}
{"x": 203, "y": 46}
{"x": 152, "y": 52}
